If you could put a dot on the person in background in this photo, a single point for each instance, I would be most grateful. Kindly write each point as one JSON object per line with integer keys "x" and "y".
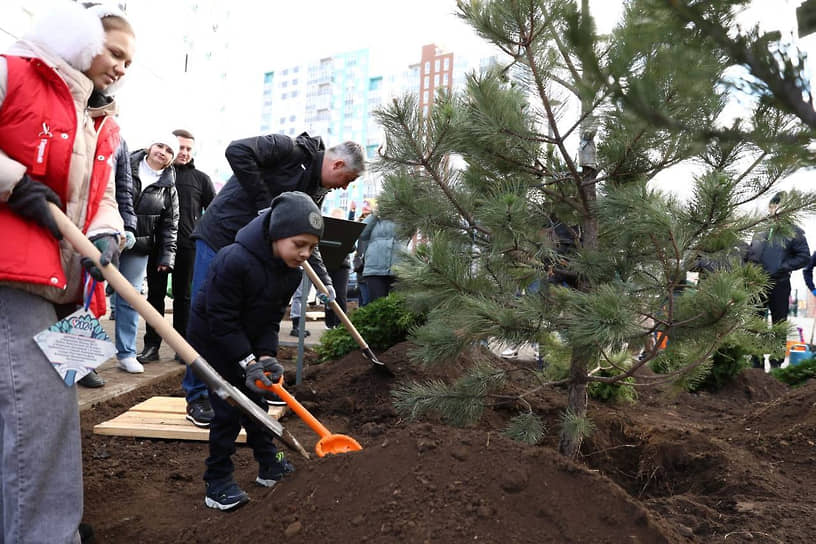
{"x": 53, "y": 107}
{"x": 155, "y": 202}
{"x": 778, "y": 256}
{"x": 358, "y": 261}
{"x": 234, "y": 324}
{"x": 381, "y": 250}
{"x": 195, "y": 192}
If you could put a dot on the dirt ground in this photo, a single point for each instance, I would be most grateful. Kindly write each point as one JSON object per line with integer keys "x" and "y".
{"x": 733, "y": 467}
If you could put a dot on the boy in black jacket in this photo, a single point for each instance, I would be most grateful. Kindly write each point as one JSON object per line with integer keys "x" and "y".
{"x": 234, "y": 324}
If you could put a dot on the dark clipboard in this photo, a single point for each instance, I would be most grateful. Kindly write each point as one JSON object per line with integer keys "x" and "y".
{"x": 339, "y": 237}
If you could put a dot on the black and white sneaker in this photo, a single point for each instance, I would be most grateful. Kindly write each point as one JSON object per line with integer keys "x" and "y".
{"x": 200, "y": 412}
{"x": 225, "y": 497}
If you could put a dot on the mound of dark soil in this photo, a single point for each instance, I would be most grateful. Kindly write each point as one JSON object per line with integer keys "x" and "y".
{"x": 736, "y": 466}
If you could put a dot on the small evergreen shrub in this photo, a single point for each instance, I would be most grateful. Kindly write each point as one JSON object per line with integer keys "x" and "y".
{"x": 728, "y": 361}
{"x": 382, "y": 323}
{"x": 796, "y": 375}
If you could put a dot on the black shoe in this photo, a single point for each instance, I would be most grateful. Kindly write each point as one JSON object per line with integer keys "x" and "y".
{"x": 149, "y": 355}
{"x": 296, "y": 332}
{"x": 86, "y": 533}
{"x": 91, "y": 379}
{"x": 200, "y": 412}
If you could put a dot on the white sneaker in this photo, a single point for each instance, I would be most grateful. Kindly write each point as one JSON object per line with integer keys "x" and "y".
{"x": 130, "y": 364}
{"x": 509, "y": 353}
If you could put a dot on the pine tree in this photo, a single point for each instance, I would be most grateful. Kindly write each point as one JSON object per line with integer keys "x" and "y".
{"x": 532, "y": 192}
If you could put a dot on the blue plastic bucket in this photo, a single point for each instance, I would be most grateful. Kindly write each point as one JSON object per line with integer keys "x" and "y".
{"x": 799, "y": 353}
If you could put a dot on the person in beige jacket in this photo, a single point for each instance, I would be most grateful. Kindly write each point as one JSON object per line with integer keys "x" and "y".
{"x": 57, "y": 140}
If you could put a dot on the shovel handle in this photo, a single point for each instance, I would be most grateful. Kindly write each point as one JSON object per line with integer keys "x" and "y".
{"x": 124, "y": 289}
{"x": 297, "y": 407}
{"x": 335, "y": 306}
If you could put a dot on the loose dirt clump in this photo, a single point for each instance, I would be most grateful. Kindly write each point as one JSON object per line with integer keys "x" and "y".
{"x": 736, "y": 466}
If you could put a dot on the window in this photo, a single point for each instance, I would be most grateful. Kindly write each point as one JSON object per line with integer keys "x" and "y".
{"x": 425, "y": 97}
{"x": 268, "y": 77}
{"x": 282, "y": 120}
{"x": 436, "y": 65}
{"x": 284, "y": 84}
{"x": 292, "y": 118}
{"x": 371, "y": 151}
{"x": 436, "y": 80}
{"x": 286, "y": 71}
{"x": 445, "y": 80}
{"x": 427, "y": 82}
{"x": 447, "y": 64}
{"x": 295, "y": 70}
{"x": 427, "y": 66}
{"x": 374, "y": 83}
{"x": 283, "y": 96}
{"x": 295, "y": 93}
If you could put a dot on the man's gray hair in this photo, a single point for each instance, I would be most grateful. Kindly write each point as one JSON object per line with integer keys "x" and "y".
{"x": 350, "y": 153}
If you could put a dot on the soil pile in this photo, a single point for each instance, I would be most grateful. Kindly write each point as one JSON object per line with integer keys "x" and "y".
{"x": 736, "y": 466}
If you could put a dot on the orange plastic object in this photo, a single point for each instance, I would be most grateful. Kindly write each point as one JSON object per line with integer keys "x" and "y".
{"x": 329, "y": 443}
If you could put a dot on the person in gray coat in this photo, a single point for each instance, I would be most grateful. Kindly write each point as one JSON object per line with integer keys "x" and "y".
{"x": 382, "y": 250}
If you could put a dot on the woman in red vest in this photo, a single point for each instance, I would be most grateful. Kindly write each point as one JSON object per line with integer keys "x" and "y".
{"x": 57, "y": 139}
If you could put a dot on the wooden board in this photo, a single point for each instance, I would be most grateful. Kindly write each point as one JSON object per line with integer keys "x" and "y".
{"x": 164, "y": 417}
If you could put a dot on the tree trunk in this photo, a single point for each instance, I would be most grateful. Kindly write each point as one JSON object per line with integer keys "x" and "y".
{"x": 570, "y": 443}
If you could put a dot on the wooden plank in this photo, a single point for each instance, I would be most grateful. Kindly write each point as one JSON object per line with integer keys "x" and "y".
{"x": 171, "y": 432}
{"x": 164, "y": 417}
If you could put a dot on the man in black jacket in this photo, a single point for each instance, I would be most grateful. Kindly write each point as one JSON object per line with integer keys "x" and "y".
{"x": 778, "y": 256}
{"x": 195, "y": 192}
{"x": 264, "y": 167}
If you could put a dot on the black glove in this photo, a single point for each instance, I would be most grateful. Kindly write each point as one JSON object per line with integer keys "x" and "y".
{"x": 267, "y": 371}
{"x": 29, "y": 199}
{"x": 108, "y": 246}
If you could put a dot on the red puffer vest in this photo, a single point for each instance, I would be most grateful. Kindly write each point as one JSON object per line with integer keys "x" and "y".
{"x": 38, "y": 124}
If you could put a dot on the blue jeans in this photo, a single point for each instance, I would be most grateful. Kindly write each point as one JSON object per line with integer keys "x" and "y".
{"x": 40, "y": 454}
{"x": 133, "y": 267}
{"x": 193, "y": 387}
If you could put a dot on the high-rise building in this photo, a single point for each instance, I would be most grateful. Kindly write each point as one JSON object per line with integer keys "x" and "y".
{"x": 435, "y": 73}
{"x": 335, "y": 97}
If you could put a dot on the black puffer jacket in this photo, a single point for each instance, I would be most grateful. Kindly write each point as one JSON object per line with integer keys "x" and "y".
{"x": 263, "y": 167}
{"x": 779, "y": 256}
{"x": 157, "y": 213}
{"x": 239, "y": 308}
{"x": 195, "y": 192}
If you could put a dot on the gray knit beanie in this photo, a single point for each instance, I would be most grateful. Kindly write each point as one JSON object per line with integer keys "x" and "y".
{"x": 294, "y": 213}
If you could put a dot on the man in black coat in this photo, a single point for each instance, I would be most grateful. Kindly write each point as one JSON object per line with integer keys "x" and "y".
{"x": 778, "y": 257}
{"x": 264, "y": 167}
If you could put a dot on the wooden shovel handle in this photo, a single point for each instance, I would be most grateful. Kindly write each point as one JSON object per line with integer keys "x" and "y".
{"x": 335, "y": 306}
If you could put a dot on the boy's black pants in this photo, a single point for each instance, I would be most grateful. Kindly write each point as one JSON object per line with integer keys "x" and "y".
{"x": 224, "y": 430}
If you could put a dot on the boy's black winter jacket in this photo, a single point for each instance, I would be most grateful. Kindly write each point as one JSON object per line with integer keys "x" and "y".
{"x": 239, "y": 309}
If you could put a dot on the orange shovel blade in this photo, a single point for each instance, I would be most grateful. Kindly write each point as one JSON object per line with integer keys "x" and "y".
{"x": 336, "y": 443}
{"x": 329, "y": 443}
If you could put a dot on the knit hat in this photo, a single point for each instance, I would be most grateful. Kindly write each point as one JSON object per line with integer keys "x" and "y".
{"x": 170, "y": 141}
{"x": 294, "y": 213}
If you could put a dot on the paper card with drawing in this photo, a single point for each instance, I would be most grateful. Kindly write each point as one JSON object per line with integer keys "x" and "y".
{"x": 75, "y": 345}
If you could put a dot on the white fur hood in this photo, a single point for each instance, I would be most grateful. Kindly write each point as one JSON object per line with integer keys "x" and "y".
{"x": 69, "y": 31}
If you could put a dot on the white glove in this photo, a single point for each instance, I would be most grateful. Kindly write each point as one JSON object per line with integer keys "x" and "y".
{"x": 331, "y": 297}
